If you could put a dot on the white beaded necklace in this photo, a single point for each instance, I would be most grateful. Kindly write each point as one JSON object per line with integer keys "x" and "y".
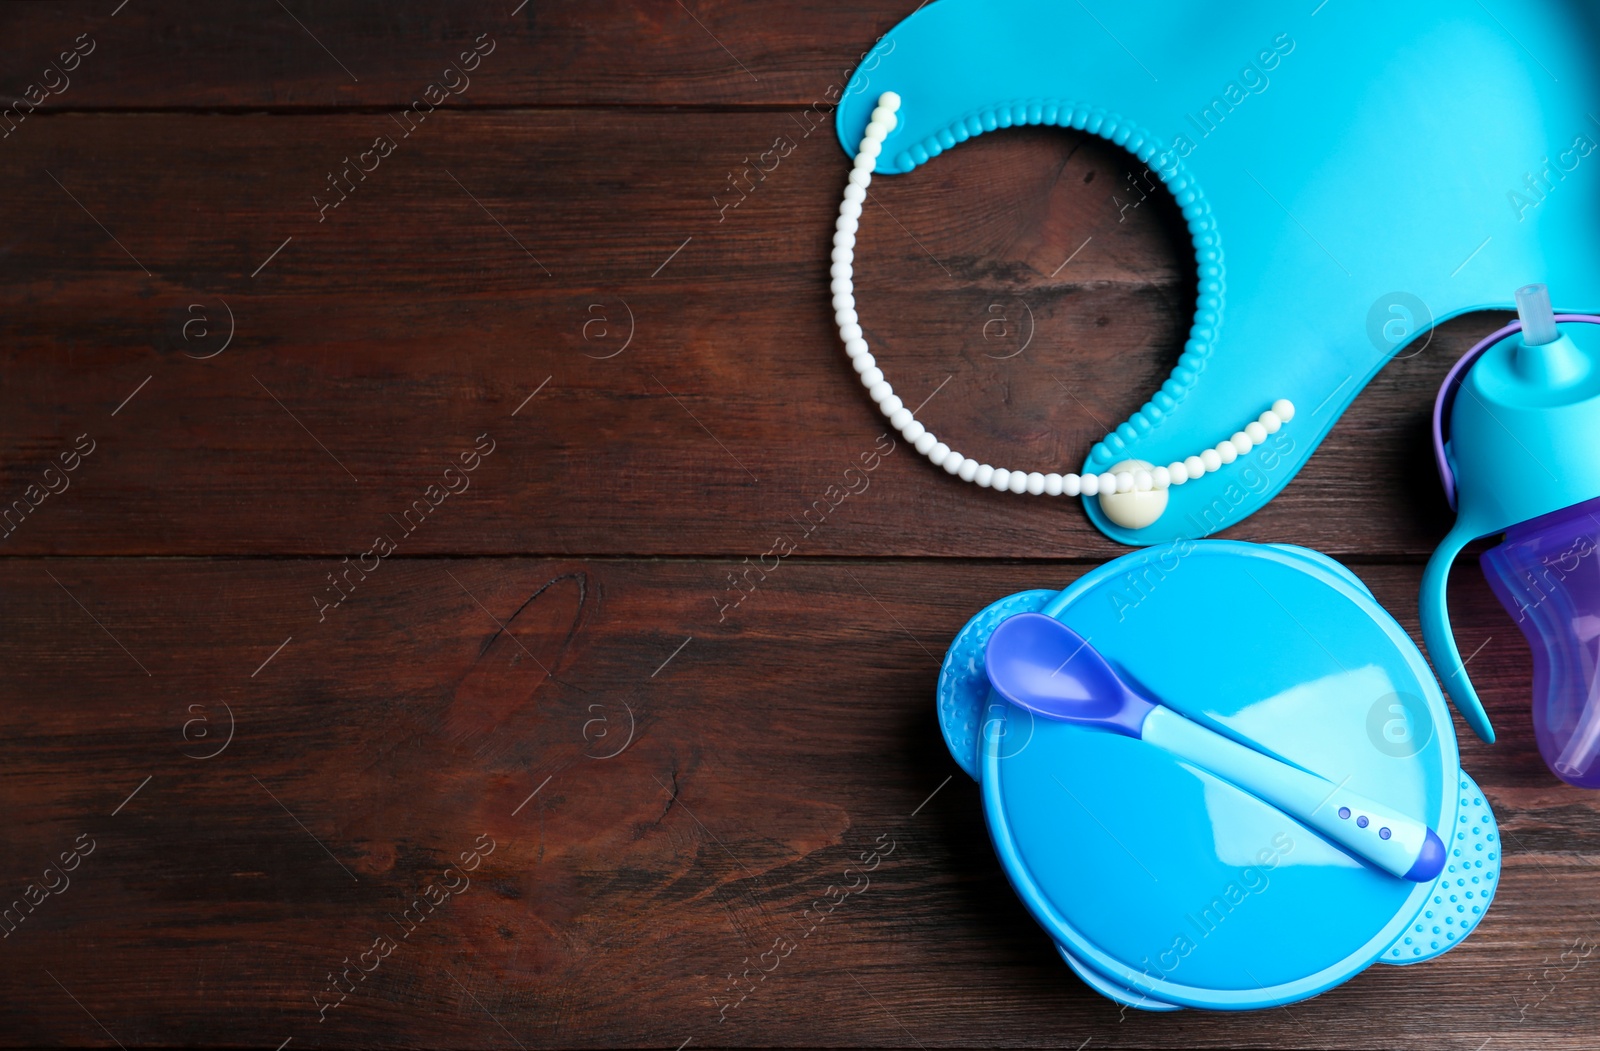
{"x": 1140, "y": 480}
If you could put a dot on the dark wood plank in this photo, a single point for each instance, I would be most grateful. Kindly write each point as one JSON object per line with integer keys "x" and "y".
{"x": 408, "y": 723}
{"x": 374, "y": 346}
{"x": 311, "y": 54}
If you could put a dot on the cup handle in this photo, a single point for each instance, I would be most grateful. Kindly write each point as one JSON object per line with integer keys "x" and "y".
{"x": 1441, "y": 640}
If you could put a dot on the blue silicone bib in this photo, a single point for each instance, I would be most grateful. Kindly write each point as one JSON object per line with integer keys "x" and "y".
{"x": 1350, "y": 172}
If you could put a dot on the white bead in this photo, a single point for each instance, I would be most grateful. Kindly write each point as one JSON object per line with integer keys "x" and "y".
{"x": 843, "y": 287}
{"x": 877, "y": 130}
{"x": 926, "y": 443}
{"x": 938, "y": 454}
{"x": 863, "y": 362}
{"x": 1035, "y": 483}
{"x": 1071, "y": 485}
{"x": 882, "y": 114}
{"x": 1019, "y": 482}
{"x": 1089, "y": 485}
{"x": 891, "y": 405}
{"x": 1212, "y": 460}
{"x": 1124, "y": 481}
{"x": 859, "y": 177}
{"x": 844, "y": 301}
{"x": 983, "y": 476}
{"x": 1108, "y": 482}
{"x": 1143, "y": 481}
{"x": 856, "y": 348}
{"x": 1285, "y": 409}
{"x": 1179, "y": 472}
{"x": 846, "y": 225}
{"x": 899, "y": 418}
{"x": 1197, "y": 466}
{"x": 1001, "y": 480}
{"x": 853, "y": 194}
{"x": 849, "y": 329}
{"x": 954, "y": 462}
{"x": 872, "y": 377}
{"x": 881, "y": 391}
{"x": 1242, "y": 443}
{"x": 969, "y": 470}
{"x": 889, "y": 100}
{"x": 1054, "y": 485}
{"x": 1227, "y": 452}
{"x": 843, "y": 253}
{"x": 1161, "y": 478}
{"x": 1270, "y": 422}
{"x": 1256, "y": 433}
{"x": 871, "y": 148}
{"x": 838, "y": 270}
{"x": 913, "y": 431}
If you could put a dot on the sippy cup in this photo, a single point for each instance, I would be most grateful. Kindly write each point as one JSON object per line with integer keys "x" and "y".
{"x": 1516, "y": 430}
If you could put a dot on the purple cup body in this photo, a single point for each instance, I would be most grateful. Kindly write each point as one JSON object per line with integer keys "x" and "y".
{"x": 1546, "y": 573}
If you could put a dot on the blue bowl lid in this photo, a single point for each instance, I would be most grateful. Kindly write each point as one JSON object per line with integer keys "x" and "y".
{"x": 1165, "y": 880}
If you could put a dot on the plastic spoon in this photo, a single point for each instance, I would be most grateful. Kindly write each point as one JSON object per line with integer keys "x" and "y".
{"x": 1038, "y": 663}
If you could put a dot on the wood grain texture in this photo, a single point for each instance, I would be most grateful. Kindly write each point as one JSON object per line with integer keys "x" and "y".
{"x": 488, "y": 254}
{"x": 304, "y": 54}
{"x": 617, "y": 900}
{"x": 274, "y": 754}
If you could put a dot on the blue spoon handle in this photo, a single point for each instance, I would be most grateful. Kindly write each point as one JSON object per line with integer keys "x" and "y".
{"x": 1400, "y": 845}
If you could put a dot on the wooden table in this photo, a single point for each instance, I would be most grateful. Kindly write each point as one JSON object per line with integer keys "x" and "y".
{"x": 399, "y": 664}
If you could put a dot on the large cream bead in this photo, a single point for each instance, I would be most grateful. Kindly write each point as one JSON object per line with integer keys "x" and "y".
{"x": 1133, "y": 509}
